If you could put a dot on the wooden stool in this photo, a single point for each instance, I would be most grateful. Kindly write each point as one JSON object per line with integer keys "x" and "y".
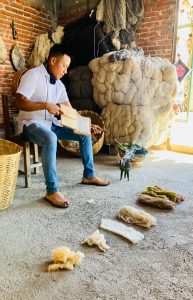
{"x": 30, "y": 150}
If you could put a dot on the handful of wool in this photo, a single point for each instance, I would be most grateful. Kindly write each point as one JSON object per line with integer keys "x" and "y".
{"x": 65, "y": 259}
{"x": 157, "y": 191}
{"x": 161, "y": 198}
{"x": 136, "y": 216}
{"x": 96, "y": 238}
{"x": 135, "y": 94}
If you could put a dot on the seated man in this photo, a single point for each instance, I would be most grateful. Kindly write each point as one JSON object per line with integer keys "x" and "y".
{"x": 38, "y": 94}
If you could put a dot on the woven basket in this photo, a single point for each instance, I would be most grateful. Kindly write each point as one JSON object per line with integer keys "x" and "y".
{"x": 10, "y": 154}
{"x": 96, "y": 120}
{"x": 16, "y": 80}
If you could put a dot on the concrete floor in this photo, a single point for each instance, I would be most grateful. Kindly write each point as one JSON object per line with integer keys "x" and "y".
{"x": 159, "y": 267}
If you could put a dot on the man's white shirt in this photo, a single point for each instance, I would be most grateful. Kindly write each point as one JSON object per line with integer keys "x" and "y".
{"x": 35, "y": 85}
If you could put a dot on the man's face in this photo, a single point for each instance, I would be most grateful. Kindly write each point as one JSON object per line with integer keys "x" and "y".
{"x": 59, "y": 65}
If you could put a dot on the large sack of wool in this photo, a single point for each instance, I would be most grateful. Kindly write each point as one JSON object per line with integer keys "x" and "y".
{"x": 135, "y": 94}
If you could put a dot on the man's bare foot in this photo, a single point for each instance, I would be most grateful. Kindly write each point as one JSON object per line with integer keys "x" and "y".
{"x": 57, "y": 199}
{"x": 95, "y": 181}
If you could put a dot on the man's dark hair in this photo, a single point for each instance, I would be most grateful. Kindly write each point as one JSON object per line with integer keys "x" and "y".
{"x": 56, "y": 50}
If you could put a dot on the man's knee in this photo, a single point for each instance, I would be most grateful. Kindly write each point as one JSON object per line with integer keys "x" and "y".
{"x": 51, "y": 138}
{"x": 85, "y": 138}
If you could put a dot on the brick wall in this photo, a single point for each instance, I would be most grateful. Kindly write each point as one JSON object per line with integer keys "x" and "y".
{"x": 156, "y": 35}
{"x": 69, "y": 14}
{"x": 30, "y": 21}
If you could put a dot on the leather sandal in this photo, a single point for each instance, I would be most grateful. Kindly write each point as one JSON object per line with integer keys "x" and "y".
{"x": 57, "y": 199}
{"x": 95, "y": 181}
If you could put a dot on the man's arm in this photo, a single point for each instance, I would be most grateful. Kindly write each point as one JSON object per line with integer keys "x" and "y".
{"x": 25, "y": 104}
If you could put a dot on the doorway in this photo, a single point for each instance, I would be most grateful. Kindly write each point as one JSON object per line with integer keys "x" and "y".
{"x": 181, "y": 137}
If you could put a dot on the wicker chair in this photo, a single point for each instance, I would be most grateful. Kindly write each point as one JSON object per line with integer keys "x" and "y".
{"x": 30, "y": 150}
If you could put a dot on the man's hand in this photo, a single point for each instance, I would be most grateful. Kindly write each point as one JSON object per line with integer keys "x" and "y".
{"x": 53, "y": 109}
{"x": 95, "y": 129}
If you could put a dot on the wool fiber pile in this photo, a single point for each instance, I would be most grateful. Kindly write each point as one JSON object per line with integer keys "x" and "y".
{"x": 43, "y": 44}
{"x": 136, "y": 95}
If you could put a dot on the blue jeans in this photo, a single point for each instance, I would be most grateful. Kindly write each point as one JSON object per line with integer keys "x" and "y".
{"x": 47, "y": 138}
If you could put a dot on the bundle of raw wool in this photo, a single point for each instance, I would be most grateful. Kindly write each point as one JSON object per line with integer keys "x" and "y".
{"x": 43, "y": 44}
{"x": 160, "y": 197}
{"x": 64, "y": 259}
{"x": 121, "y": 19}
{"x": 136, "y": 216}
{"x": 136, "y": 94}
{"x": 156, "y": 201}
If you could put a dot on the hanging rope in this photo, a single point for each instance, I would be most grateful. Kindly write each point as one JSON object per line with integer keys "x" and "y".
{"x": 120, "y": 16}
